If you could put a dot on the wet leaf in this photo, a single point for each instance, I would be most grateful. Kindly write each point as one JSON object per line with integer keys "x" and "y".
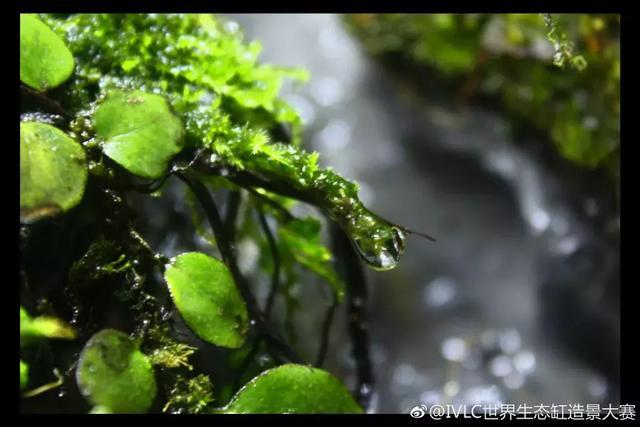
{"x": 206, "y": 296}
{"x": 115, "y": 375}
{"x": 53, "y": 171}
{"x": 45, "y": 61}
{"x": 293, "y": 389}
{"x": 43, "y": 327}
{"x": 24, "y": 375}
{"x": 138, "y": 131}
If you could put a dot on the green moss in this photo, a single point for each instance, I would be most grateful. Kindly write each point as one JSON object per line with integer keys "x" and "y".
{"x": 228, "y": 104}
{"x": 514, "y": 59}
{"x": 149, "y": 92}
{"x": 191, "y": 396}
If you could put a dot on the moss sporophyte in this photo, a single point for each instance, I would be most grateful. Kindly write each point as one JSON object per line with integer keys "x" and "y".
{"x": 118, "y": 104}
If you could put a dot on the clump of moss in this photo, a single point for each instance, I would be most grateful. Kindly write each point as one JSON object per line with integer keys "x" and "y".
{"x": 153, "y": 97}
{"x": 520, "y": 60}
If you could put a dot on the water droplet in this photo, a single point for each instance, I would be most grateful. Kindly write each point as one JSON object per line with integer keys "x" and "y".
{"x": 381, "y": 254}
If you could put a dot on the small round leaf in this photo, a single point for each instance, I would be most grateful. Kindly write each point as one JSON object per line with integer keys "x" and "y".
{"x": 293, "y": 389}
{"x": 206, "y": 296}
{"x": 53, "y": 171}
{"x": 138, "y": 131}
{"x": 45, "y": 61}
{"x": 113, "y": 373}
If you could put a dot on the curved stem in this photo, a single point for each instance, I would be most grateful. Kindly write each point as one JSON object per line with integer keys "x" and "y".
{"x": 246, "y": 362}
{"x": 351, "y": 269}
{"x": 326, "y": 329}
{"x": 211, "y": 211}
{"x": 275, "y": 279}
{"x": 233, "y": 204}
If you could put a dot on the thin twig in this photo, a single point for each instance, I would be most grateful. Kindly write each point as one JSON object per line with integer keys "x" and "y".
{"x": 351, "y": 269}
{"x": 326, "y": 329}
{"x": 275, "y": 278}
{"x": 233, "y": 204}
{"x": 246, "y": 362}
{"x": 288, "y": 216}
{"x": 158, "y": 258}
{"x": 44, "y": 101}
{"x": 228, "y": 256}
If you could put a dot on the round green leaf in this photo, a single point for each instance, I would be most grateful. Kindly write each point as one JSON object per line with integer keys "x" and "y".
{"x": 206, "y": 296}
{"x": 138, "y": 131}
{"x": 45, "y": 61}
{"x": 293, "y": 389}
{"x": 24, "y": 375}
{"x": 53, "y": 171}
{"x": 113, "y": 373}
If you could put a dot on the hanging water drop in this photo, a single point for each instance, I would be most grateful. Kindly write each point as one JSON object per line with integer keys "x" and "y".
{"x": 381, "y": 253}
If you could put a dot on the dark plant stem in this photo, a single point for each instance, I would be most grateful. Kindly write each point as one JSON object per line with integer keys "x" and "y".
{"x": 275, "y": 279}
{"x": 160, "y": 260}
{"x": 233, "y": 204}
{"x": 326, "y": 329}
{"x": 351, "y": 269}
{"x": 246, "y": 362}
{"x": 226, "y": 251}
{"x": 277, "y": 206}
{"x": 44, "y": 102}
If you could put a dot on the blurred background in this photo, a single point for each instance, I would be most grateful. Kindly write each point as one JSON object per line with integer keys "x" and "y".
{"x": 462, "y": 127}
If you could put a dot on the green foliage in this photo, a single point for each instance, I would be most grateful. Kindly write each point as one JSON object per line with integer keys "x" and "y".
{"x": 155, "y": 96}
{"x": 204, "y": 292}
{"x": 138, "y": 131}
{"x": 200, "y": 64}
{"x": 228, "y": 104}
{"x": 24, "y": 375}
{"x": 45, "y": 61}
{"x": 293, "y": 389}
{"x": 172, "y": 354}
{"x": 43, "y": 327}
{"x": 301, "y": 240}
{"x": 114, "y": 375}
{"x": 379, "y": 242}
{"x": 191, "y": 396}
{"x": 53, "y": 171}
{"x": 519, "y": 61}
{"x": 563, "y": 47}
